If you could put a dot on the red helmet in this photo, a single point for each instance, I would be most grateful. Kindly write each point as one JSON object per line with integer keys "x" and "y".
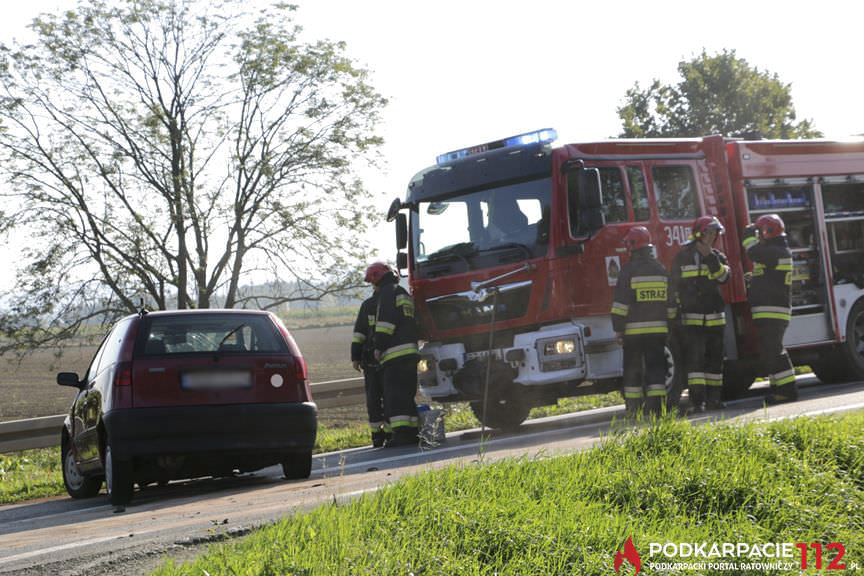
{"x": 637, "y": 237}
{"x": 376, "y": 271}
{"x": 770, "y": 226}
{"x": 705, "y": 223}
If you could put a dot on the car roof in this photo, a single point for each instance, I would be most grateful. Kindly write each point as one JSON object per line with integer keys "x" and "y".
{"x": 206, "y": 312}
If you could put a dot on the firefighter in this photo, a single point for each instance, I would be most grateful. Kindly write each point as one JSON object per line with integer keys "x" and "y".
{"x": 769, "y": 295}
{"x": 395, "y": 348}
{"x": 697, "y": 273}
{"x": 639, "y": 313}
{"x": 362, "y": 358}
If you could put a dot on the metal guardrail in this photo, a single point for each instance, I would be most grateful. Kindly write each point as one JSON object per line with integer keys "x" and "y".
{"x": 45, "y": 431}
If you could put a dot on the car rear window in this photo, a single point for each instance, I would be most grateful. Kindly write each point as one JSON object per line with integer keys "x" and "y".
{"x": 189, "y": 334}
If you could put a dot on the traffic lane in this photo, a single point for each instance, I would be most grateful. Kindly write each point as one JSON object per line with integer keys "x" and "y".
{"x": 160, "y": 524}
{"x": 536, "y": 432}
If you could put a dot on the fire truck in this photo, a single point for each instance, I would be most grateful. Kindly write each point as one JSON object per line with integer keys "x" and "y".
{"x": 513, "y": 249}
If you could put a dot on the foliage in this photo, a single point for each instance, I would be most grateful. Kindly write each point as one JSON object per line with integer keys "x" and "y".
{"x": 717, "y": 94}
{"x": 30, "y": 474}
{"x": 789, "y": 481}
{"x": 170, "y": 150}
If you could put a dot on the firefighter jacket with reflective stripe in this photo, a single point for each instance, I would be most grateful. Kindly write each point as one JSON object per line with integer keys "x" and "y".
{"x": 771, "y": 283}
{"x": 695, "y": 285}
{"x": 364, "y": 326}
{"x": 641, "y": 296}
{"x": 395, "y": 327}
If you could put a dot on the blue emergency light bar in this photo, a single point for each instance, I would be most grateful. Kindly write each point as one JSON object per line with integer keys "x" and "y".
{"x": 543, "y": 136}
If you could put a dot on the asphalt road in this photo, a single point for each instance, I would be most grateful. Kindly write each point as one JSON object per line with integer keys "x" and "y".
{"x": 69, "y": 537}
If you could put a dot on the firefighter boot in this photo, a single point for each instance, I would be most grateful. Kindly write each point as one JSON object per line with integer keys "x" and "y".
{"x": 402, "y": 436}
{"x": 781, "y": 394}
{"x": 633, "y": 407}
{"x": 697, "y": 398}
{"x": 378, "y": 438}
{"x": 714, "y": 401}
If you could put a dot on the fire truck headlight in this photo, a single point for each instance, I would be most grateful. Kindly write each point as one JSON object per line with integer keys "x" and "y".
{"x": 566, "y": 346}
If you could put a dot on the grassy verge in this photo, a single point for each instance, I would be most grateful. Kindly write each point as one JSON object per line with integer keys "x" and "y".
{"x": 30, "y": 474}
{"x": 36, "y": 473}
{"x": 790, "y": 481}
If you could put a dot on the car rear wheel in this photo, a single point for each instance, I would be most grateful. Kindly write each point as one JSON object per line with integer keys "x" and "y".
{"x": 297, "y": 466}
{"x": 77, "y": 484}
{"x": 118, "y": 479}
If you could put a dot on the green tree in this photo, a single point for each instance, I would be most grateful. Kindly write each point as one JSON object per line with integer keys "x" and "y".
{"x": 717, "y": 94}
{"x": 171, "y": 150}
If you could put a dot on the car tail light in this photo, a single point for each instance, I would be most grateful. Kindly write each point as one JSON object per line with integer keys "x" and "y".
{"x": 301, "y": 370}
{"x": 123, "y": 385}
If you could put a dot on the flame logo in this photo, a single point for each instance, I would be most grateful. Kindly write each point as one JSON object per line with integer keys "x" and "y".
{"x": 630, "y": 554}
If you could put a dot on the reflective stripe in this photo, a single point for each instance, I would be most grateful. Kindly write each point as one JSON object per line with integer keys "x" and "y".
{"x": 720, "y": 275}
{"x": 693, "y": 319}
{"x": 784, "y": 264}
{"x": 403, "y": 421}
{"x": 749, "y": 242}
{"x": 385, "y": 327}
{"x": 358, "y": 338}
{"x": 371, "y": 320}
{"x": 655, "y": 390}
{"x": 402, "y": 299}
{"x": 713, "y": 379}
{"x": 784, "y": 377}
{"x": 696, "y": 378}
{"x": 633, "y": 328}
{"x": 648, "y": 282}
{"x": 718, "y": 319}
{"x": 632, "y": 392}
{"x": 671, "y": 313}
{"x": 620, "y": 309}
{"x": 758, "y": 269}
{"x": 398, "y": 352}
{"x": 772, "y": 313}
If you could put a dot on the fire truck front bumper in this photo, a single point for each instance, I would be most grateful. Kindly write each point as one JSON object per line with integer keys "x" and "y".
{"x": 550, "y": 355}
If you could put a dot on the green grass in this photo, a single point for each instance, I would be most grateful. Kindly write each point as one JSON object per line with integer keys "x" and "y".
{"x": 791, "y": 481}
{"x": 30, "y": 474}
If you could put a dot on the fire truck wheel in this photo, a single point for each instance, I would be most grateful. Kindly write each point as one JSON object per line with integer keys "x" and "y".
{"x": 855, "y": 340}
{"x": 502, "y": 414}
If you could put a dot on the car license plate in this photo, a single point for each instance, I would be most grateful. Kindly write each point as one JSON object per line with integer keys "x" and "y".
{"x": 217, "y": 380}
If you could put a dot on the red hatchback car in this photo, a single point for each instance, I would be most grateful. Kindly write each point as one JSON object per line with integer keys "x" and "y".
{"x": 188, "y": 393}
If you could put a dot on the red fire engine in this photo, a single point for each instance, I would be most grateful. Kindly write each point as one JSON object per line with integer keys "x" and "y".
{"x": 514, "y": 246}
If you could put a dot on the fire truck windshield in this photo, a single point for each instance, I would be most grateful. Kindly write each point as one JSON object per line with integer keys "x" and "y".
{"x": 483, "y": 228}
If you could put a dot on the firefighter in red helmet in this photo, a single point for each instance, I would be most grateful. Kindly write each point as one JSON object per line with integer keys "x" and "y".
{"x": 394, "y": 344}
{"x": 363, "y": 359}
{"x": 639, "y": 313}
{"x": 698, "y": 271}
{"x": 770, "y": 301}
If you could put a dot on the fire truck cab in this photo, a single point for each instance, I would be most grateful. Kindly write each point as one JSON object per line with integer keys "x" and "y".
{"x": 514, "y": 247}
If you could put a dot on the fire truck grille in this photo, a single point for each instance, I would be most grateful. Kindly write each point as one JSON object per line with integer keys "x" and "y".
{"x": 452, "y": 313}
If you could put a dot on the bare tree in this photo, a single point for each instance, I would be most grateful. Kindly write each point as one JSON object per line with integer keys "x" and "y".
{"x": 168, "y": 150}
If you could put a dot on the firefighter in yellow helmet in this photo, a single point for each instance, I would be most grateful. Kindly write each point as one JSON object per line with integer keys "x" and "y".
{"x": 639, "y": 313}
{"x": 697, "y": 273}
{"x": 770, "y": 301}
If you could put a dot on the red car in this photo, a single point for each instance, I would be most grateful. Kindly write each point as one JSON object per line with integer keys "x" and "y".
{"x": 182, "y": 394}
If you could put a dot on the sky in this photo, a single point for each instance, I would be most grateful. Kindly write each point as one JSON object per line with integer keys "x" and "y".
{"x": 458, "y": 73}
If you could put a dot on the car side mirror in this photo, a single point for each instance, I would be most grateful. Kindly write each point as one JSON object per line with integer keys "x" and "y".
{"x": 68, "y": 379}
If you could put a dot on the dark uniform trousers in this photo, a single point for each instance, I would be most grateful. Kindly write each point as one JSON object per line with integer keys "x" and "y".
{"x": 375, "y": 399}
{"x": 644, "y": 389}
{"x": 399, "y": 381}
{"x": 703, "y": 349}
{"x": 774, "y": 358}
